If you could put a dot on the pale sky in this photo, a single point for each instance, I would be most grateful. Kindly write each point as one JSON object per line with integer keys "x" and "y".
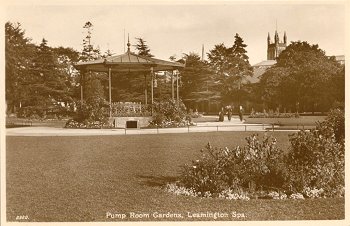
{"x": 175, "y": 28}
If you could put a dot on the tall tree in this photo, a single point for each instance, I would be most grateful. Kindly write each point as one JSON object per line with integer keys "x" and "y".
{"x": 218, "y": 59}
{"x": 199, "y": 86}
{"x": 338, "y": 86}
{"x": 131, "y": 85}
{"x": 66, "y": 57}
{"x": 238, "y": 69}
{"x": 89, "y": 53}
{"x": 233, "y": 67}
{"x": 49, "y": 86}
{"x": 142, "y": 48}
{"x": 19, "y": 53}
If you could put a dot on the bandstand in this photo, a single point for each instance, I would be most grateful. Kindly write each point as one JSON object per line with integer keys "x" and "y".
{"x": 130, "y": 62}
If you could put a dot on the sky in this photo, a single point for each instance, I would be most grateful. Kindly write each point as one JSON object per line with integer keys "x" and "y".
{"x": 177, "y": 28}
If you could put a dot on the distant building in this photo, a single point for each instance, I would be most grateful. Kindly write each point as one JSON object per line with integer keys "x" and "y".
{"x": 259, "y": 69}
{"x": 340, "y": 59}
{"x": 274, "y": 49}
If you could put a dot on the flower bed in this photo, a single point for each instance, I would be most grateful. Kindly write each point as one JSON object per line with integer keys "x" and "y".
{"x": 273, "y": 115}
{"x": 230, "y": 194}
{"x": 313, "y": 167}
{"x": 170, "y": 124}
{"x": 72, "y": 124}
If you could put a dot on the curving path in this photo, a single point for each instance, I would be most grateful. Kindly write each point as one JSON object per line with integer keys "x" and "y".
{"x": 234, "y": 125}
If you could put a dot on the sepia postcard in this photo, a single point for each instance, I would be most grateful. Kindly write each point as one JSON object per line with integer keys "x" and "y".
{"x": 174, "y": 112}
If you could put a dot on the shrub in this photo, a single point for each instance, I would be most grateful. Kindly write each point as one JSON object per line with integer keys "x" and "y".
{"x": 170, "y": 109}
{"x": 92, "y": 113}
{"x": 158, "y": 119}
{"x": 338, "y": 105}
{"x": 168, "y": 114}
{"x": 316, "y": 158}
{"x": 93, "y": 109}
{"x": 44, "y": 111}
{"x": 314, "y": 166}
{"x": 237, "y": 169}
{"x": 32, "y": 112}
{"x": 335, "y": 123}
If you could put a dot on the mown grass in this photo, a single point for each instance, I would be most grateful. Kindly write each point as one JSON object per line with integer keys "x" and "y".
{"x": 83, "y": 178}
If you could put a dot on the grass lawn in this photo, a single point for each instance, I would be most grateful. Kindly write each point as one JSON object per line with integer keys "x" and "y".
{"x": 83, "y": 178}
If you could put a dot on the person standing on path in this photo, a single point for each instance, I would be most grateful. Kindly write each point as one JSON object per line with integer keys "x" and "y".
{"x": 221, "y": 115}
{"x": 240, "y": 113}
{"x": 229, "y": 113}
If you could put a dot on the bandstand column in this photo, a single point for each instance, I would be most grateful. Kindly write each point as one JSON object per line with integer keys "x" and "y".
{"x": 145, "y": 89}
{"x": 81, "y": 85}
{"x": 177, "y": 89}
{"x": 172, "y": 85}
{"x": 110, "y": 90}
{"x": 152, "y": 80}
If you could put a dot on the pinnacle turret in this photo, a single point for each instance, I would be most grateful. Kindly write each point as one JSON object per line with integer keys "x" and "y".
{"x": 276, "y": 37}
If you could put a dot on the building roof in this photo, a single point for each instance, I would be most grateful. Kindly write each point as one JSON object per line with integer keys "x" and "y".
{"x": 259, "y": 69}
{"x": 340, "y": 58}
{"x": 127, "y": 62}
{"x": 265, "y": 63}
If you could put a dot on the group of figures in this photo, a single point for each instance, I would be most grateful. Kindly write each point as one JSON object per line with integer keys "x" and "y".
{"x": 228, "y": 110}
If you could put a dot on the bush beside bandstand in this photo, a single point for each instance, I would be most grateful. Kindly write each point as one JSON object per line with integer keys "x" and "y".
{"x": 95, "y": 115}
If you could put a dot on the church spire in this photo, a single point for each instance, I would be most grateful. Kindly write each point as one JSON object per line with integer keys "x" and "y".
{"x": 277, "y": 39}
{"x": 268, "y": 38}
{"x": 285, "y": 38}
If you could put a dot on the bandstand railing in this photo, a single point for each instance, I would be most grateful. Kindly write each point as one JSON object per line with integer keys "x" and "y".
{"x": 131, "y": 109}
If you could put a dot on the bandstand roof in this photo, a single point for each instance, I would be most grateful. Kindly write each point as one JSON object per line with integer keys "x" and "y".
{"x": 128, "y": 62}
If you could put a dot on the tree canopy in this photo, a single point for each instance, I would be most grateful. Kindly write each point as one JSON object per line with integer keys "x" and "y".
{"x": 302, "y": 79}
{"x": 142, "y": 48}
{"x": 233, "y": 67}
{"x": 199, "y": 82}
{"x": 39, "y": 79}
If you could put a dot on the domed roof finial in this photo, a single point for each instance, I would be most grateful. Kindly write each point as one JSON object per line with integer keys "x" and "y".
{"x": 128, "y": 43}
